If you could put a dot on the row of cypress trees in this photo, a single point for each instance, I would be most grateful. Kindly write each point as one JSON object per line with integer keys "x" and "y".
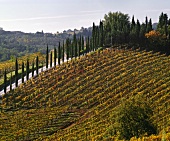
{"x": 23, "y": 73}
{"x": 70, "y": 49}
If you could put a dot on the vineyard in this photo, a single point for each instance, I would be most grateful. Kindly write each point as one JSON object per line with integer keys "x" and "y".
{"x": 77, "y": 100}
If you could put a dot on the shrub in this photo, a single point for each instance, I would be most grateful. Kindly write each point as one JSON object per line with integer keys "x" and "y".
{"x": 133, "y": 118}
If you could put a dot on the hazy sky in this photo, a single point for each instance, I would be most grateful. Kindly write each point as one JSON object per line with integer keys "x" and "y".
{"x": 57, "y": 15}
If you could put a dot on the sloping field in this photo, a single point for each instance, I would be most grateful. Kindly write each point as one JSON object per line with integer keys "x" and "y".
{"x": 76, "y": 101}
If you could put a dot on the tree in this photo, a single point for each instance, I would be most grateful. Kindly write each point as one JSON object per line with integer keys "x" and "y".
{"x": 67, "y": 48}
{"x": 72, "y": 50}
{"x": 55, "y": 56}
{"x": 101, "y": 34}
{"x": 27, "y": 70}
{"x": 133, "y": 118}
{"x": 33, "y": 68}
{"x": 59, "y": 53}
{"x": 133, "y": 24}
{"x": 149, "y": 26}
{"x": 82, "y": 43}
{"x": 137, "y": 30}
{"x": 79, "y": 46}
{"x": 16, "y": 72}
{"x": 163, "y": 24}
{"x": 37, "y": 65}
{"x": 63, "y": 52}
{"x": 22, "y": 72}
{"x": 146, "y": 23}
{"x": 75, "y": 45}
{"x": 5, "y": 81}
{"x": 11, "y": 82}
{"x": 117, "y": 27}
{"x": 47, "y": 57}
{"x": 94, "y": 35}
{"x": 51, "y": 61}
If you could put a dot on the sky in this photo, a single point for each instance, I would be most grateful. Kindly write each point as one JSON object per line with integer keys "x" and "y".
{"x": 58, "y": 15}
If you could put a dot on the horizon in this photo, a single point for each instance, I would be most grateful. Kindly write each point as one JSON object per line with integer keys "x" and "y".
{"x": 58, "y": 15}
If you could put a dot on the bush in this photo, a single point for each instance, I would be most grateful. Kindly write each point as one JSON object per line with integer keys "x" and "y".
{"x": 133, "y": 118}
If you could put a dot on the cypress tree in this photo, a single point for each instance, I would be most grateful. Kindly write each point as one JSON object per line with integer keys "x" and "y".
{"x": 27, "y": 70}
{"x": 5, "y": 81}
{"x": 22, "y": 72}
{"x": 166, "y": 24}
{"x": 93, "y": 35}
{"x": 72, "y": 50}
{"x": 33, "y": 68}
{"x": 133, "y": 23}
{"x": 146, "y": 23}
{"x": 11, "y": 82}
{"x": 91, "y": 44}
{"x": 87, "y": 44}
{"x": 59, "y": 54}
{"x": 16, "y": 73}
{"x": 101, "y": 34}
{"x": 63, "y": 52}
{"x": 137, "y": 30}
{"x": 67, "y": 48}
{"x": 37, "y": 65}
{"x": 47, "y": 57}
{"x": 75, "y": 47}
{"x": 98, "y": 37}
{"x": 82, "y": 43}
{"x": 55, "y": 56}
{"x": 79, "y": 46}
{"x": 149, "y": 26}
{"x": 51, "y": 61}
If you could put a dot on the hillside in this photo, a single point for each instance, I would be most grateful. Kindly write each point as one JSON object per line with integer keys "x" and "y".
{"x": 77, "y": 100}
{"x": 17, "y": 43}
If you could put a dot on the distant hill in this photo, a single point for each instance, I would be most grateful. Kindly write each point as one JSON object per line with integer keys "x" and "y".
{"x": 17, "y": 43}
{"x": 77, "y": 100}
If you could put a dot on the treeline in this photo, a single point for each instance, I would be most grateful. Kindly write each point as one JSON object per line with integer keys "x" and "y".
{"x": 116, "y": 28}
{"x": 20, "y": 72}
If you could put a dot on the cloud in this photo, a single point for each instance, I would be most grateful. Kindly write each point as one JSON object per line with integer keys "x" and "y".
{"x": 83, "y": 13}
{"x": 34, "y": 18}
